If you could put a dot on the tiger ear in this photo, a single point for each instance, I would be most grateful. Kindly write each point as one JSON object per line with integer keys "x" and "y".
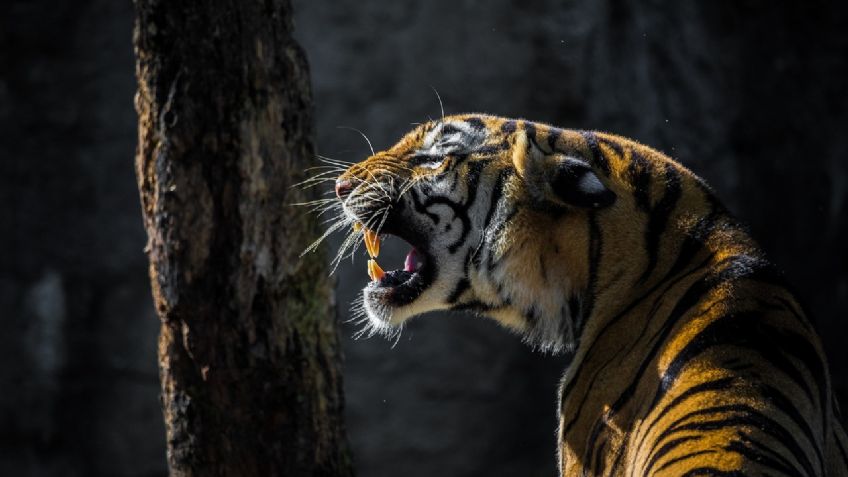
{"x": 558, "y": 178}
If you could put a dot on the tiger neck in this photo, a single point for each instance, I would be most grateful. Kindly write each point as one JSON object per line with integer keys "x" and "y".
{"x": 627, "y": 333}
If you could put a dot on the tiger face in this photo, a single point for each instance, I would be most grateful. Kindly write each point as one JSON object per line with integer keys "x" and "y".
{"x": 497, "y": 220}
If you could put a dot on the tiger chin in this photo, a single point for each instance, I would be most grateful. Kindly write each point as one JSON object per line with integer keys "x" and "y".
{"x": 690, "y": 355}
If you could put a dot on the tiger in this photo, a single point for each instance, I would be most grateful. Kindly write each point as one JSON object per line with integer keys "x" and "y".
{"x": 689, "y": 354}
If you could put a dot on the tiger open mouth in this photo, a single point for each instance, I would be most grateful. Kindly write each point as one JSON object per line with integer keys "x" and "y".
{"x": 399, "y": 287}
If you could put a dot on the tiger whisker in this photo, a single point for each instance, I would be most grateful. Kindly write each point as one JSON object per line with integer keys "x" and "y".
{"x": 330, "y": 160}
{"x": 363, "y": 136}
{"x": 326, "y": 233}
{"x": 439, "y": 97}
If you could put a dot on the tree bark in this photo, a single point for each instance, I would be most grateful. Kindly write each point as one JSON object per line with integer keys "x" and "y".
{"x": 249, "y": 356}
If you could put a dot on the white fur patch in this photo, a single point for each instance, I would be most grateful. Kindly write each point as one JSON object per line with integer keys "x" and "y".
{"x": 454, "y": 137}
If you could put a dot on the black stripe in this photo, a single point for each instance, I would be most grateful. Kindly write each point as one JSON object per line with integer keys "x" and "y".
{"x": 553, "y": 136}
{"x": 743, "y": 415}
{"x": 746, "y": 439}
{"x": 462, "y": 285}
{"x": 530, "y": 128}
{"x": 839, "y": 445}
{"x": 594, "y": 252}
{"x": 665, "y": 449}
{"x": 476, "y": 305}
{"x": 777, "y": 462}
{"x": 597, "y": 155}
{"x": 639, "y": 173}
{"x": 713, "y": 472}
{"x": 717, "y": 385}
{"x": 454, "y": 181}
{"x": 475, "y": 169}
{"x": 569, "y": 386}
{"x": 449, "y": 128}
{"x": 790, "y": 409}
{"x": 509, "y": 127}
{"x": 476, "y": 123}
{"x": 676, "y": 425}
{"x": 504, "y": 299}
{"x": 497, "y": 193}
{"x": 690, "y": 298}
{"x": 684, "y": 457}
{"x": 658, "y": 218}
{"x": 799, "y": 314}
{"x": 421, "y": 158}
{"x": 694, "y": 242}
{"x": 598, "y": 461}
{"x": 492, "y": 148}
{"x": 749, "y": 331}
{"x": 458, "y": 159}
{"x": 575, "y": 312}
{"x": 659, "y": 300}
{"x": 760, "y": 458}
{"x": 731, "y": 268}
{"x": 419, "y": 206}
{"x": 612, "y": 145}
{"x": 615, "y": 469}
{"x": 566, "y": 323}
{"x": 472, "y": 180}
{"x": 532, "y": 317}
{"x": 459, "y": 212}
{"x": 497, "y": 230}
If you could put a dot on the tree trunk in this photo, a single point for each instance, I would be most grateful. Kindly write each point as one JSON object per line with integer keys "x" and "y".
{"x": 248, "y": 354}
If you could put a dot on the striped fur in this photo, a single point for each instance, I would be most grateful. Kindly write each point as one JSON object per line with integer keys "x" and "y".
{"x": 690, "y": 355}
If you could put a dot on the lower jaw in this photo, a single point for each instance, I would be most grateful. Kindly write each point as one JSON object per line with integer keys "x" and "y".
{"x": 396, "y": 289}
{"x": 390, "y": 301}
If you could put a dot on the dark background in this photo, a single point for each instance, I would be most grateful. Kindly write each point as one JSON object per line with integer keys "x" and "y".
{"x": 749, "y": 94}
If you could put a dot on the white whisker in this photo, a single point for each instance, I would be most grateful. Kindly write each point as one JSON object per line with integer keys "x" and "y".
{"x": 363, "y": 136}
{"x": 439, "y": 97}
{"x": 334, "y": 162}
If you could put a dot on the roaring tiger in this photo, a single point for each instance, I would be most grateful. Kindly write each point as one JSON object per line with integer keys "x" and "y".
{"x": 690, "y": 357}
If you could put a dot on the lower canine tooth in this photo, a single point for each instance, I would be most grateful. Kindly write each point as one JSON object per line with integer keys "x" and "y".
{"x": 374, "y": 271}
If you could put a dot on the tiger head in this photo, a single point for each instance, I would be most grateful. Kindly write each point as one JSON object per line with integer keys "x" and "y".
{"x": 499, "y": 215}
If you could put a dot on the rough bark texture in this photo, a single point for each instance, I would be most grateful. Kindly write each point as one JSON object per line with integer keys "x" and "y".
{"x": 248, "y": 352}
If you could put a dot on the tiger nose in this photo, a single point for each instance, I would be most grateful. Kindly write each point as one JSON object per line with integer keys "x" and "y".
{"x": 343, "y": 188}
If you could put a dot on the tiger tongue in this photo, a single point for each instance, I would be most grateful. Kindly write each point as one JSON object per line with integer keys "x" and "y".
{"x": 411, "y": 263}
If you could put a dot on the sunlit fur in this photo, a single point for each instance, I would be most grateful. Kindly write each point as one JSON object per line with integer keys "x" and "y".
{"x": 690, "y": 355}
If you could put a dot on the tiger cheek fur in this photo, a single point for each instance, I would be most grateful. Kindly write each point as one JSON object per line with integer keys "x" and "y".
{"x": 690, "y": 357}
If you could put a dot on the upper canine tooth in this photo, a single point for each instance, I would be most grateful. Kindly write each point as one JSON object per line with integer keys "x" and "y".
{"x": 357, "y": 226}
{"x": 372, "y": 243}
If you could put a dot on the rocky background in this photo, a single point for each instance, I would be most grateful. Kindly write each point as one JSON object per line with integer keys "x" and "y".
{"x": 749, "y": 94}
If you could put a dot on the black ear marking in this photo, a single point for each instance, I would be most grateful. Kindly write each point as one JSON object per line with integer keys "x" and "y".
{"x": 576, "y": 184}
{"x": 558, "y": 179}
